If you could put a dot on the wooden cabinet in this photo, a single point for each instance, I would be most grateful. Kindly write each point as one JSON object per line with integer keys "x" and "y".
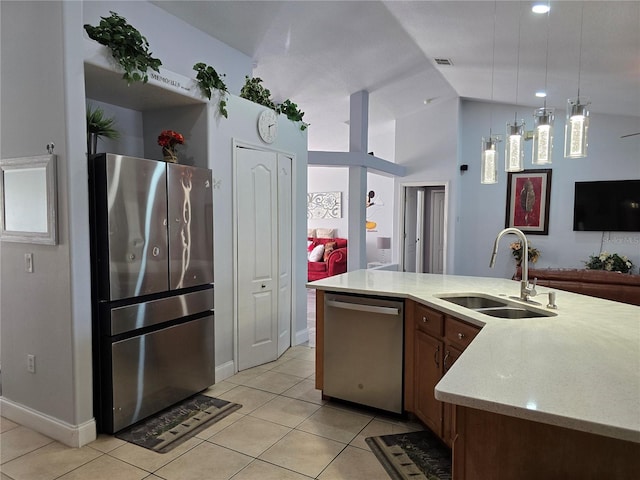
{"x": 427, "y": 365}
{"x": 428, "y": 371}
{"x": 434, "y": 344}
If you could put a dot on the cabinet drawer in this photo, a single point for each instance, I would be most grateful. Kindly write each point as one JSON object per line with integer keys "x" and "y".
{"x": 429, "y": 321}
{"x": 459, "y": 333}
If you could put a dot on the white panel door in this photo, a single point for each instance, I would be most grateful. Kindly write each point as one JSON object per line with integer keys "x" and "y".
{"x": 410, "y": 232}
{"x": 437, "y": 232}
{"x": 284, "y": 253}
{"x": 256, "y": 186}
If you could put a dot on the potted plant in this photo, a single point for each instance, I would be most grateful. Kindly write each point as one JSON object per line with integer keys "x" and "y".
{"x": 128, "y": 46}
{"x": 208, "y": 80}
{"x": 611, "y": 262}
{"x": 98, "y": 125}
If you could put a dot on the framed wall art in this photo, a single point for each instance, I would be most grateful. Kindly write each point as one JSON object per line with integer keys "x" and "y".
{"x": 528, "y": 201}
{"x": 324, "y": 205}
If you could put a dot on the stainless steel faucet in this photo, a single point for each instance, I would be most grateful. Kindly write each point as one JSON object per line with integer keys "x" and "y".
{"x": 526, "y": 290}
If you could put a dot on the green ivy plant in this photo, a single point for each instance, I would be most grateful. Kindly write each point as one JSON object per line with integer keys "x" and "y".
{"x": 292, "y": 112}
{"x": 254, "y": 90}
{"x": 128, "y": 46}
{"x": 208, "y": 79}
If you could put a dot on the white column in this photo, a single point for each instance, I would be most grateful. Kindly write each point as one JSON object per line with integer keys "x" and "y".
{"x": 358, "y": 139}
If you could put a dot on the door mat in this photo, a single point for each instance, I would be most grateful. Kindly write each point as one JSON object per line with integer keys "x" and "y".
{"x": 412, "y": 456}
{"x": 167, "y": 429}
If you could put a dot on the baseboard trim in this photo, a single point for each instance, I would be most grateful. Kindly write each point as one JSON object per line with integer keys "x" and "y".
{"x": 75, "y": 436}
{"x": 302, "y": 336}
{"x": 225, "y": 371}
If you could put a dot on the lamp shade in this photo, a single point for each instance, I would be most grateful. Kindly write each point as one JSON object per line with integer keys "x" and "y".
{"x": 543, "y": 136}
{"x": 383, "y": 243}
{"x": 576, "y": 129}
{"x": 489, "y": 165}
{"x": 514, "y": 147}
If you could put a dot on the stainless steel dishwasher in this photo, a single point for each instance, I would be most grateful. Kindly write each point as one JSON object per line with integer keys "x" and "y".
{"x": 363, "y": 350}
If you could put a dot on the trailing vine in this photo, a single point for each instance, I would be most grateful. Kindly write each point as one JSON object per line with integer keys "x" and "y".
{"x": 128, "y": 46}
{"x": 208, "y": 79}
{"x": 292, "y": 112}
{"x": 254, "y": 90}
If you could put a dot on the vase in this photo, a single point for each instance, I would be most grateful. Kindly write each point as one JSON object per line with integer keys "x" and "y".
{"x": 92, "y": 143}
{"x": 169, "y": 155}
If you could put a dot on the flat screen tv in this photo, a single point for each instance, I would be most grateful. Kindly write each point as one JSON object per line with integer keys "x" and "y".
{"x": 607, "y": 206}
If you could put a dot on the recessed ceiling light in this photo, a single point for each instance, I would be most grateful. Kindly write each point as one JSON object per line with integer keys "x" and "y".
{"x": 541, "y": 94}
{"x": 540, "y": 8}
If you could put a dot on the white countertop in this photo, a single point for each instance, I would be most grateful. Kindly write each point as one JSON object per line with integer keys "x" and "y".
{"x": 579, "y": 369}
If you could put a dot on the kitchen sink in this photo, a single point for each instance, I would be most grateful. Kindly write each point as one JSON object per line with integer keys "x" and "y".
{"x": 475, "y": 302}
{"x": 495, "y": 307}
{"x": 513, "y": 312}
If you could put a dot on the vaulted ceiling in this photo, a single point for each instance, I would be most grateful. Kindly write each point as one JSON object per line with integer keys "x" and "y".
{"x": 317, "y": 53}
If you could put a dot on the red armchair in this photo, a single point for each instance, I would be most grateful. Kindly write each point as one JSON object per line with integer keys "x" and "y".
{"x": 336, "y": 260}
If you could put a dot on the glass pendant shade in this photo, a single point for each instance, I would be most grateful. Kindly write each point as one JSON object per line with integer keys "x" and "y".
{"x": 576, "y": 129}
{"x": 489, "y": 167}
{"x": 542, "y": 136}
{"x": 514, "y": 147}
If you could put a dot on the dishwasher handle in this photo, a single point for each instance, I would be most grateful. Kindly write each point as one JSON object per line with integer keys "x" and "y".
{"x": 363, "y": 308}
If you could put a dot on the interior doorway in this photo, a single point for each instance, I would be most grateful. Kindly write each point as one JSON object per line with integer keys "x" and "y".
{"x": 423, "y": 227}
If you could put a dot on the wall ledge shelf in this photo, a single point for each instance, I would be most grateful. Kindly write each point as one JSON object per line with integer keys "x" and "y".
{"x": 104, "y": 83}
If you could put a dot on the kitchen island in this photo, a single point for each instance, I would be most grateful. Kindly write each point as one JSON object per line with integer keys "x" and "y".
{"x": 570, "y": 381}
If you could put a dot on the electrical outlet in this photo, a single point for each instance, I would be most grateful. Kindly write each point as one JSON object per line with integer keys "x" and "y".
{"x": 31, "y": 363}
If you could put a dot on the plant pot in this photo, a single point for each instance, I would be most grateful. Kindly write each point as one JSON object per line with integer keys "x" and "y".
{"x": 92, "y": 143}
{"x": 169, "y": 156}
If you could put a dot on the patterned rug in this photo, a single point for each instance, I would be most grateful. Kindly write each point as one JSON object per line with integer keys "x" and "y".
{"x": 412, "y": 456}
{"x": 167, "y": 429}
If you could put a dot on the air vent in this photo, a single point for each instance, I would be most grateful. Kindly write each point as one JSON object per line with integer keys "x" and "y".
{"x": 443, "y": 61}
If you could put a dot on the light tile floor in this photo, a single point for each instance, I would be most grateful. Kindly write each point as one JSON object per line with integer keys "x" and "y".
{"x": 284, "y": 431}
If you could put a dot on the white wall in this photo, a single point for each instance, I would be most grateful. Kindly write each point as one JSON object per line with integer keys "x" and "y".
{"x": 482, "y": 207}
{"x": 427, "y": 145}
{"x": 176, "y": 43}
{"x": 36, "y": 308}
{"x": 331, "y": 179}
{"x": 48, "y": 312}
{"x": 241, "y": 125}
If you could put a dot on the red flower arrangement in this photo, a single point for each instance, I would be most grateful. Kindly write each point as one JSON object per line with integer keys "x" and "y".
{"x": 168, "y": 139}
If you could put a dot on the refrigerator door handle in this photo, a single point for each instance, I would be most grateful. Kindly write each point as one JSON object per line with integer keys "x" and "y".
{"x": 363, "y": 308}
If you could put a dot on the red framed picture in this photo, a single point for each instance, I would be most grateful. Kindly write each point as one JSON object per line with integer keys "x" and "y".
{"x": 528, "y": 195}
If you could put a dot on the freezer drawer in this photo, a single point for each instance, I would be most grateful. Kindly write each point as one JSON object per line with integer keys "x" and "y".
{"x": 363, "y": 350}
{"x": 155, "y": 370}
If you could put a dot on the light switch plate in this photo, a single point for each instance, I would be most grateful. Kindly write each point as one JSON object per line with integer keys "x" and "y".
{"x": 28, "y": 262}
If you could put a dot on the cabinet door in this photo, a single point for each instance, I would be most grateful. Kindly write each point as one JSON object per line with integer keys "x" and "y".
{"x": 428, "y": 371}
{"x": 451, "y": 354}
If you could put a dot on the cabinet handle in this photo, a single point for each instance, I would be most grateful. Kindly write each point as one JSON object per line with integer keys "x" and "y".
{"x": 424, "y": 319}
{"x": 444, "y": 362}
{"x": 435, "y": 356}
{"x": 461, "y": 336}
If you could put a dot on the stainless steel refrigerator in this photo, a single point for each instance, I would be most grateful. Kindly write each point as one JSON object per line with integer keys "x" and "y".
{"x": 152, "y": 286}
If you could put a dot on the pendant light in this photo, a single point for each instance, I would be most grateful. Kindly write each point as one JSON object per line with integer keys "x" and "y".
{"x": 577, "y": 124}
{"x": 514, "y": 140}
{"x": 489, "y": 156}
{"x": 542, "y": 135}
{"x": 543, "y": 121}
{"x": 514, "y": 147}
{"x": 489, "y": 170}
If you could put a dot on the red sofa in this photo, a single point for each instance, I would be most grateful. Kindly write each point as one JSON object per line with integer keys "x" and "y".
{"x": 336, "y": 262}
